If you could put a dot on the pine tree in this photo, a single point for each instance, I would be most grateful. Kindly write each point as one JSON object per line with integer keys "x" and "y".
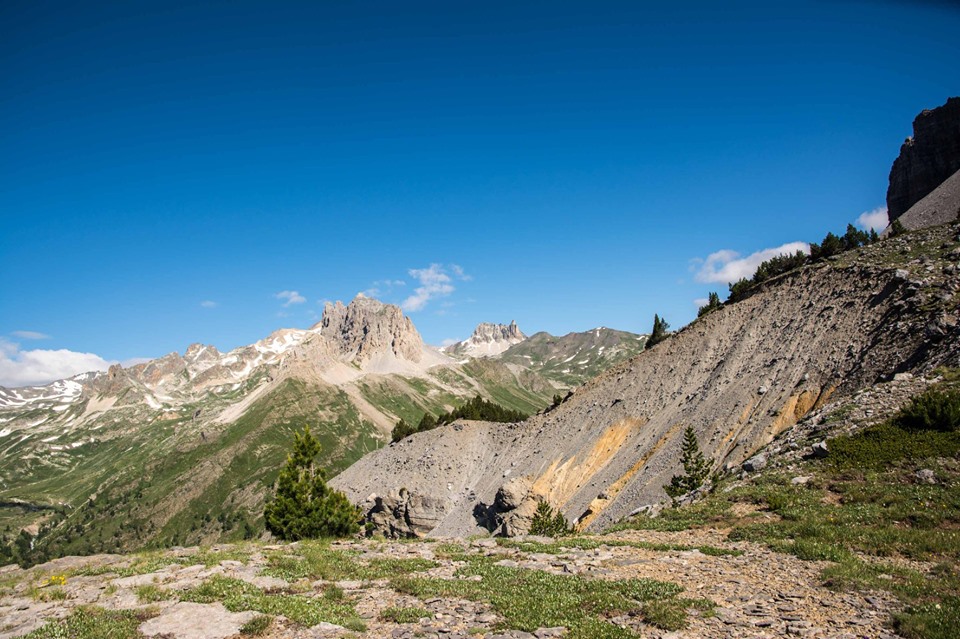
{"x": 713, "y": 303}
{"x": 549, "y": 522}
{"x": 304, "y": 506}
{"x": 659, "y": 332}
{"x": 695, "y": 467}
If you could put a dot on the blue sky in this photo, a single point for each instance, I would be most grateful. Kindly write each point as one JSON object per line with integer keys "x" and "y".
{"x": 169, "y": 170}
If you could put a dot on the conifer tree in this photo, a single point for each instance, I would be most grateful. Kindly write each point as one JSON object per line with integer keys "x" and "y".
{"x": 659, "y": 332}
{"x": 304, "y": 506}
{"x": 695, "y": 467}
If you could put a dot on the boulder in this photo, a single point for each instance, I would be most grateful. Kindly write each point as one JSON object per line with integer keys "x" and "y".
{"x": 755, "y": 463}
{"x": 403, "y": 514}
{"x": 820, "y": 450}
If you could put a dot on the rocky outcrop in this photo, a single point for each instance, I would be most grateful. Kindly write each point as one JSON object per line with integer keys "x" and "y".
{"x": 740, "y": 377}
{"x": 488, "y": 340}
{"x": 927, "y": 159}
{"x": 367, "y": 327}
{"x": 401, "y": 515}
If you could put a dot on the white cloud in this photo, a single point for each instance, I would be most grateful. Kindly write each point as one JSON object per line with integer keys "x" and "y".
{"x": 701, "y": 302}
{"x": 458, "y": 272}
{"x": 382, "y": 287}
{"x": 876, "y": 219}
{"x": 40, "y": 366}
{"x": 291, "y": 297}
{"x": 727, "y": 266}
{"x": 209, "y": 304}
{"x": 434, "y": 283}
{"x": 30, "y": 335}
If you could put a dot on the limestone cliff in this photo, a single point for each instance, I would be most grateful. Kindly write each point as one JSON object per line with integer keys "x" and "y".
{"x": 367, "y": 327}
{"x": 927, "y": 159}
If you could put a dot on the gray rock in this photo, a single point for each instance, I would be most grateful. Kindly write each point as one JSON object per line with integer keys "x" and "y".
{"x": 513, "y": 493}
{"x": 402, "y": 514}
{"x": 820, "y": 450}
{"x": 926, "y": 476}
{"x": 755, "y": 463}
{"x": 186, "y": 620}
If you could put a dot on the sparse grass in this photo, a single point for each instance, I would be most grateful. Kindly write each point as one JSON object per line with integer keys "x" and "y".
{"x": 209, "y": 557}
{"x": 590, "y": 543}
{"x": 257, "y": 626}
{"x": 237, "y": 596}
{"x": 863, "y": 507}
{"x": 54, "y": 593}
{"x": 404, "y": 615}
{"x": 938, "y": 620}
{"x": 152, "y": 594}
{"x": 531, "y": 599}
{"x": 697, "y": 515}
{"x": 90, "y": 622}
{"x": 143, "y": 563}
{"x": 317, "y": 560}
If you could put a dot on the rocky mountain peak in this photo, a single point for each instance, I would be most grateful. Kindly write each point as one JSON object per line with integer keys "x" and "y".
{"x": 367, "y": 327}
{"x": 926, "y": 159}
{"x": 488, "y": 340}
{"x": 486, "y": 332}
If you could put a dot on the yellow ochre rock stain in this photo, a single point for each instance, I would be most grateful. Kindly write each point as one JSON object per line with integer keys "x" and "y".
{"x": 597, "y": 505}
{"x": 561, "y": 480}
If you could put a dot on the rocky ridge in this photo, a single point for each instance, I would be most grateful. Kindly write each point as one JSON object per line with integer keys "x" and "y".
{"x": 739, "y": 376}
{"x": 487, "y": 340}
{"x": 926, "y": 159}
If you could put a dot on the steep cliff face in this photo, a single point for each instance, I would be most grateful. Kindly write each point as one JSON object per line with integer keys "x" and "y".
{"x": 738, "y": 376}
{"x": 927, "y": 159}
{"x": 367, "y": 328}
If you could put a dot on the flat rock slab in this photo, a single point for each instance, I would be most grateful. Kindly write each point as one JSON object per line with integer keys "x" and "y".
{"x": 196, "y": 621}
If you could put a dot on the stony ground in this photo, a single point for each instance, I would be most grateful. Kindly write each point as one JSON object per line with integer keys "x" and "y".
{"x": 756, "y": 592}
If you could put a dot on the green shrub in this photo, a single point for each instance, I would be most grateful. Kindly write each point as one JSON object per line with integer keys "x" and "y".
{"x": 879, "y": 446}
{"x": 404, "y": 615}
{"x": 933, "y": 410}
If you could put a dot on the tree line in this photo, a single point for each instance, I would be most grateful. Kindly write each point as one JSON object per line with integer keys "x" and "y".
{"x": 477, "y": 408}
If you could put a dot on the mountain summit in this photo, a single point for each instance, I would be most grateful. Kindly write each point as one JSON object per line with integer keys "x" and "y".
{"x": 367, "y": 328}
{"x": 488, "y": 340}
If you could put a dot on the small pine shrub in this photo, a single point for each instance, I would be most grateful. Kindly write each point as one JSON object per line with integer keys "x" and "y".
{"x": 549, "y": 522}
{"x": 696, "y": 468}
{"x": 933, "y": 410}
